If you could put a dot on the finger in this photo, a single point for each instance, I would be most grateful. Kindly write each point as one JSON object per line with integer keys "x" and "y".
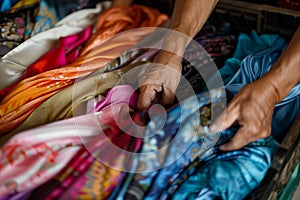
{"x": 168, "y": 97}
{"x": 147, "y": 94}
{"x": 239, "y": 140}
{"x": 225, "y": 120}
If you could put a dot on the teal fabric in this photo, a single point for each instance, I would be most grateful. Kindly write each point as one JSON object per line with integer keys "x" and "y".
{"x": 7, "y": 4}
{"x": 246, "y": 45}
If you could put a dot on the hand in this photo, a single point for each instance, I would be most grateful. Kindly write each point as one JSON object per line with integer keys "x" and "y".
{"x": 161, "y": 78}
{"x": 252, "y": 108}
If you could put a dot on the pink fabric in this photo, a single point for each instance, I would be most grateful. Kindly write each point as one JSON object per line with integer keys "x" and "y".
{"x": 64, "y": 54}
{"x": 118, "y": 94}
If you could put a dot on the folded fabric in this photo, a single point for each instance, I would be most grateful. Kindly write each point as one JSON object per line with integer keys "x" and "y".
{"x": 66, "y": 52}
{"x": 33, "y": 157}
{"x": 31, "y": 92}
{"x": 13, "y": 65}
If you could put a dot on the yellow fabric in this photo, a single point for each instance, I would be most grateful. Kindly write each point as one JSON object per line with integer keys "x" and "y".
{"x": 24, "y": 3}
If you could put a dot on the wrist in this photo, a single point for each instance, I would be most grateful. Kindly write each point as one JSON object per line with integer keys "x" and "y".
{"x": 175, "y": 42}
{"x": 169, "y": 59}
{"x": 272, "y": 81}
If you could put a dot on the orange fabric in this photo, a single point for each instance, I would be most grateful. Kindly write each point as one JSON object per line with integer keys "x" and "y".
{"x": 122, "y": 18}
{"x": 31, "y": 92}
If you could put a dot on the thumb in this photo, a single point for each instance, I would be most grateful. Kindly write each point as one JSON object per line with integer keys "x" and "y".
{"x": 147, "y": 95}
{"x": 225, "y": 120}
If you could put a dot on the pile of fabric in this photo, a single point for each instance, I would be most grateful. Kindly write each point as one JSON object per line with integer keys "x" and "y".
{"x": 69, "y": 127}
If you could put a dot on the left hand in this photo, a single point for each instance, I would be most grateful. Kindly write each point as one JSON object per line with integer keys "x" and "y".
{"x": 252, "y": 108}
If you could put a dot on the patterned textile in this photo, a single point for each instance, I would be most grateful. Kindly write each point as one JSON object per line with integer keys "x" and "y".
{"x": 50, "y": 12}
{"x": 12, "y": 29}
{"x": 201, "y": 62}
{"x": 72, "y": 101}
{"x": 245, "y": 168}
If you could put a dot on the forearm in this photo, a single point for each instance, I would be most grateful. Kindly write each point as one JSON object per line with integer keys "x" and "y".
{"x": 188, "y": 18}
{"x": 121, "y": 2}
{"x": 285, "y": 73}
{"x": 190, "y": 15}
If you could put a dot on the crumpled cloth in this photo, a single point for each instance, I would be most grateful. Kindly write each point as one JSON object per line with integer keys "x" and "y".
{"x": 34, "y": 157}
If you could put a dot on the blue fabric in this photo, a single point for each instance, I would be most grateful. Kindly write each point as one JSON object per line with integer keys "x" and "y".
{"x": 7, "y": 4}
{"x": 230, "y": 175}
{"x": 182, "y": 122}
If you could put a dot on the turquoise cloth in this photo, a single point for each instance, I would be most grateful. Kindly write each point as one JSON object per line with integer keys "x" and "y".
{"x": 291, "y": 186}
{"x": 246, "y": 45}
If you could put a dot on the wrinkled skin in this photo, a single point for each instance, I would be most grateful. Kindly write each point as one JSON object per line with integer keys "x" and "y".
{"x": 162, "y": 78}
{"x": 252, "y": 109}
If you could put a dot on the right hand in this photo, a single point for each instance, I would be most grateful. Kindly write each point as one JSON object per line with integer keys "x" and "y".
{"x": 160, "y": 78}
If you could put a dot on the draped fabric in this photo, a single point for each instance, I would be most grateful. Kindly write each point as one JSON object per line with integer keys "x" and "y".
{"x": 228, "y": 175}
{"x": 31, "y": 92}
{"x": 244, "y": 168}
